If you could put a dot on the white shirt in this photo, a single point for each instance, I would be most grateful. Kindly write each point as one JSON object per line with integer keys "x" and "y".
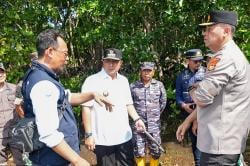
{"x": 109, "y": 128}
{"x": 44, "y": 96}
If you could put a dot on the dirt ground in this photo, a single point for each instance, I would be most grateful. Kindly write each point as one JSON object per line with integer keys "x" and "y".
{"x": 176, "y": 155}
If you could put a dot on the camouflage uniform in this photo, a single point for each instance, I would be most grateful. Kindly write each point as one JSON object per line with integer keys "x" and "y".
{"x": 149, "y": 102}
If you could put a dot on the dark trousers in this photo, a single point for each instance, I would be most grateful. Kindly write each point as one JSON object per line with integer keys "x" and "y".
{"x": 195, "y": 150}
{"x": 16, "y": 153}
{"x": 116, "y": 155}
{"x": 208, "y": 159}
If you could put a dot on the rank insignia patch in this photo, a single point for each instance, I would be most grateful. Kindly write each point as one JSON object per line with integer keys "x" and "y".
{"x": 212, "y": 63}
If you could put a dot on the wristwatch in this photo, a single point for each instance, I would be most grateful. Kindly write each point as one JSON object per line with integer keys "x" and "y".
{"x": 87, "y": 134}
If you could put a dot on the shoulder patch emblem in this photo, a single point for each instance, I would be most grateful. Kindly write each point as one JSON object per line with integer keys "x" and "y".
{"x": 212, "y": 63}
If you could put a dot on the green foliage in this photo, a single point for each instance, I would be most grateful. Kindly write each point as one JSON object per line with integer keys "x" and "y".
{"x": 155, "y": 30}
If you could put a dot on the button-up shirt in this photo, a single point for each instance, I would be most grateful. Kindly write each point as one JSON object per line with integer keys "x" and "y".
{"x": 109, "y": 128}
{"x": 149, "y": 102}
{"x": 223, "y": 122}
{"x": 8, "y": 116}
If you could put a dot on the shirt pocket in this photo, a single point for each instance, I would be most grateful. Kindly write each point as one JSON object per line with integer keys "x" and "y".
{"x": 139, "y": 95}
{"x": 10, "y": 102}
{"x": 155, "y": 97}
{"x": 2, "y": 119}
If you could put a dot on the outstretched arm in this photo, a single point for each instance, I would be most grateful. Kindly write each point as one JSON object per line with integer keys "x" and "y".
{"x": 79, "y": 98}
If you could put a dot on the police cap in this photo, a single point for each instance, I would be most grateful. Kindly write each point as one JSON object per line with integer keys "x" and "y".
{"x": 194, "y": 54}
{"x": 221, "y": 16}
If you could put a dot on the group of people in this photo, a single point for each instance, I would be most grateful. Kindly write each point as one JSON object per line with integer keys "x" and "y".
{"x": 214, "y": 101}
{"x": 109, "y": 134}
{"x": 107, "y": 102}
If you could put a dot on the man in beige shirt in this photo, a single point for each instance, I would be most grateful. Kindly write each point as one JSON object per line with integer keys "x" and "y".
{"x": 8, "y": 118}
{"x": 223, "y": 97}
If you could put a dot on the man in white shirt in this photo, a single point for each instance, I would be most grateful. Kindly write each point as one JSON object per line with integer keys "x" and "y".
{"x": 109, "y": 133}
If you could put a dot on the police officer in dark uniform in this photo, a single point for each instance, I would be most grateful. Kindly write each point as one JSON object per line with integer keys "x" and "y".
{"x": 183, "y": 99}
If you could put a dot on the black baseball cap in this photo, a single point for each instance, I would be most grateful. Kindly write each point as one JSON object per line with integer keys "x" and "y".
{"x": 221, "y": 16}
{"x": 112, "y": 53}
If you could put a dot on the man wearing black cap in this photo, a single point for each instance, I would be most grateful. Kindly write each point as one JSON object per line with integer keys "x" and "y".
{"x": 8, "y": 118}
{"x": 222, "y": 98}
{"x": 109, "y": 133}
{"x": 183, "y": 99}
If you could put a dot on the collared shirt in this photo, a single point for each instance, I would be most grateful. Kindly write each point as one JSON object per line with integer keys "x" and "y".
{"x": 8, "y": 116}
{"x": 44, "y": 96}
{"x": 109, "y": 128}
{"x": 149, "y": 102}
{"x": 223, "y": 124}
{"x": 19, "y": 97}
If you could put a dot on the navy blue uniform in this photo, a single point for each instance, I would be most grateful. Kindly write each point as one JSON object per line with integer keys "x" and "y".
{"x": 184, "y": 80}
{"x": 182, "y": 95}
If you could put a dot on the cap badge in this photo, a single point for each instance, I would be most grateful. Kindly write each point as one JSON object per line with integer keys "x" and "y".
{"x": 105, "y": 93}
{"x": 208, "y": 18}
{"x": 111, "y": 54}
{"x": 198, "y": 53}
